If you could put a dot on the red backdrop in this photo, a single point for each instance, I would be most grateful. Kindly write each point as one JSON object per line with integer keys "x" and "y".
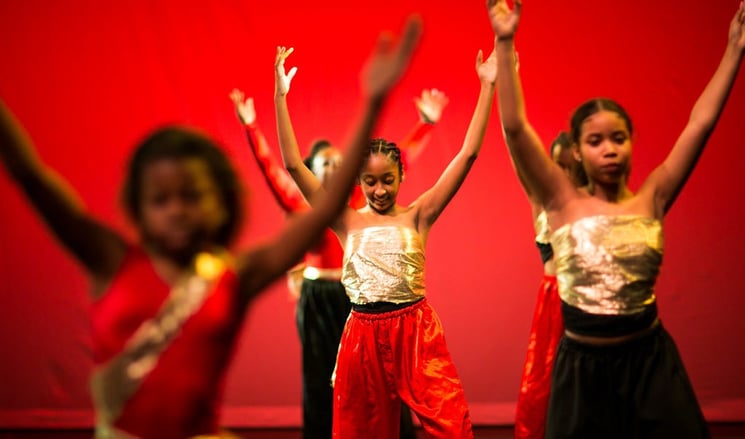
{"x": 89, "y": 79}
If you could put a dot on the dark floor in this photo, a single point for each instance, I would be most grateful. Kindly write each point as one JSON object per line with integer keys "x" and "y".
{"x": 718, "y": 431}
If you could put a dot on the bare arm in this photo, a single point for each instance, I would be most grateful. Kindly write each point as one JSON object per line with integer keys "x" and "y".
{"x": 96, "y": 247}
{"x": 304, "y": 178}
{"x": 541, "y": 178}
{"x": 272, "y": 259}
{"x": 668, "y": 179}
{"x": 434, "y": 201}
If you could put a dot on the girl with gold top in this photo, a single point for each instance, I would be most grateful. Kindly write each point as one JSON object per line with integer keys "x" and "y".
{"x": 393, "y": 348}
{"x": 323, "y": 305}
{"x": 617, "y": 372}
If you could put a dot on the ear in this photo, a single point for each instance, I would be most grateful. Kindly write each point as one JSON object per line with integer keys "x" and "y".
{"x": 403, "y": 176}
{"x": 575, "y": 152}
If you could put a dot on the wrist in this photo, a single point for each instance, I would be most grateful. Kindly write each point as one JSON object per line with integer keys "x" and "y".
{"x": 506, "y": 39}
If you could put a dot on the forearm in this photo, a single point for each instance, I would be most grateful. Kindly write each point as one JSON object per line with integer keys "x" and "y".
{"x": 415, "y": 141}
{"x": 287, "y": 142}
{"x": 509, "y": 88}
{"x": 16, "y": 150}
{"x": 709, "y": 105}
{"x": 477, "y": 127}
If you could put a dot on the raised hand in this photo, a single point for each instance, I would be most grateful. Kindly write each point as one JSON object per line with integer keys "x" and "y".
{"x": 244, "y": 107}
{"x": 430, "y": 105}
{"x": 504, "y": 21}
{"x": 487, "y": 69}
{"x": 282, "y": 80}
{"x": 736, "y": 33}
{"x": 389, "y": 59}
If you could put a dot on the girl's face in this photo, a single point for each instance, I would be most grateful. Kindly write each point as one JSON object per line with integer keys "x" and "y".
{"x": 604, "y": 147}
{"x": 325, "y": 163}
{"x": 380, "y": 181}
{"x": 181, "y": 208}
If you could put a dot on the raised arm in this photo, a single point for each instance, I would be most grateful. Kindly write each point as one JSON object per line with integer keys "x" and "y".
{"x": 304, "y": 178}
{"x": 433, "y": 202}
{"x": 541, "y": 178}
{"x": 386, "y": 64}
{"x": 283, "y": 188}
{"x": 668, "y": 179}
{"x": 96, "y": 247}
{"x": 429, "y": 105}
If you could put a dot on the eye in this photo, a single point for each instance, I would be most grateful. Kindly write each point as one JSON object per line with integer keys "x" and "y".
{"x": 620, "y": 138}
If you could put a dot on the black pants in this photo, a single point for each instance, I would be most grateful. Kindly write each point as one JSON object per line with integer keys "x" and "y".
{"x": 636, "y": 389}
{"x": 321, "y": 314}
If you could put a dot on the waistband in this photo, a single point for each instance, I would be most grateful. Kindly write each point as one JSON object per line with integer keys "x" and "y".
{"x": 314, "y": 273}
{"x": 612, "y": 341}
{"x": 380, "y": 310}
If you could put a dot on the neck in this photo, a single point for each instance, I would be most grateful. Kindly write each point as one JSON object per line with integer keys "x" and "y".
{"x": 610, "y": 192}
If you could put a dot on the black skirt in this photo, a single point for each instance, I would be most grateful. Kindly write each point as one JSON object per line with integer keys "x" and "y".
{"x": 635, "y": 389}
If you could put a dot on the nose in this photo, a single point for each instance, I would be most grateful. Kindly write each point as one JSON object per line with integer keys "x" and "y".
{"x": 380, "y": 191}
{"x": 611, "y": 148}
{"x": 176, "y": 207}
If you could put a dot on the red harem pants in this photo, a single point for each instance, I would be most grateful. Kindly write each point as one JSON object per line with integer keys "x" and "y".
{"x": 391, "y": 357}
{"x": 545, "y": 333}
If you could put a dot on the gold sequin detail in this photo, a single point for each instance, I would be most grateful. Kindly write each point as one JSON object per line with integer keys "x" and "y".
{"x": 608, "y": 264}
{"x": 542, "y": 232}
{"x": 384, "y": 264}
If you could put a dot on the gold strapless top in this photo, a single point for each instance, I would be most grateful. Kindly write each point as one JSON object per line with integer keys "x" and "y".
{"x": 608, "y": 264}
{"x": 542, "y": 233}
{"x": 384, "y": 264}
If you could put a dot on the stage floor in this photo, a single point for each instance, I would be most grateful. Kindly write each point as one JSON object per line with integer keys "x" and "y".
{"x": 718, "y": 431}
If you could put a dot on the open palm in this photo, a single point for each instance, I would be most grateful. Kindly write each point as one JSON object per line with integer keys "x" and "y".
{"x": 487, "y": 69}
{"x": 243, "y": 107}
{"x": 736, "y": 31}
{"x": 282, "y": 80}
{"x": 389, "y": 59}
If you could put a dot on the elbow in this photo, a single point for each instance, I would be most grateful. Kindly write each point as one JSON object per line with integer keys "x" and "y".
{"x": 293, "y": 169}
{"x": 512, "y": 128}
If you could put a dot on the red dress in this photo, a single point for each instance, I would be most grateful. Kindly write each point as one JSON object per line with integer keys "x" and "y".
{"x": 181, "y": 395}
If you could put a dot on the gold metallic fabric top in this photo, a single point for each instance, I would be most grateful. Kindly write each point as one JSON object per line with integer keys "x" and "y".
{"x": 608, "y": 264}
{"x": 384, "y": 264}
{"x": 542, "y": 232}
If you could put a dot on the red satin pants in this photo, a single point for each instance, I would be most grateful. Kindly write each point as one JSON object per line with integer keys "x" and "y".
{"x": 391, "y": 357}
{"x": 547, "y": 329}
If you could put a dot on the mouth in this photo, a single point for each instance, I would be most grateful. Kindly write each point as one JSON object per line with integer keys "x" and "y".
{"x": 611, "y": 168}
{"x": 380, "y": 204}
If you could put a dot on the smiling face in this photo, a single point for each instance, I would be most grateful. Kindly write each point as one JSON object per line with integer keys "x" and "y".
{"x": 604, "y": 147}
{"x": 380, "y": 180}
{"x": 180, "y": 207}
